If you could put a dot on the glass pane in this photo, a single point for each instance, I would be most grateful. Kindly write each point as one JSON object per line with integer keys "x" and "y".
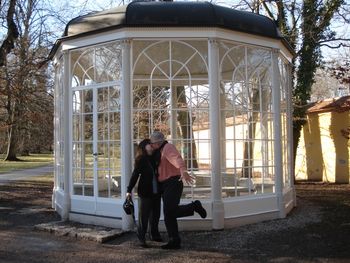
{"x": 83, "y": 182}
{"x": 83, "y": 69}
{"x": 141, "y": 120}
{"x": 96, "y": 64}
{"x": 103, "y": 126}
{"x": 77, "y": 182}
{"x": 114, "y": 98}
{"x": 103, "y": 155}
{"x": 175, "y": 101}
{"x": 116, "y": 185}
{"x": 115, "y": 169}
{"x": 108, "y": 63}
{"x": 77, "y": 154}
{"x": 82, "y": 101}
{"x": 87, "y": 123}
{"x": 102, "y": 99}
{"x": 82, "y": 155}
{"x": 141, "y": 97}
{"x": 114, "y": 126}
{"x": 88, "y": 161}
{"x": 201, "y": 189}
{"x": 108, "y": 184}
{"x": 104, "y": 183}
{"x": 246, "y": 109}
{"x": 77, "y": 128}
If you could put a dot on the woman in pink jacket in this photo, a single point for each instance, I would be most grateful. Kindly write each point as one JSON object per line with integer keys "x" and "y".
{"x": 171, "y": 173}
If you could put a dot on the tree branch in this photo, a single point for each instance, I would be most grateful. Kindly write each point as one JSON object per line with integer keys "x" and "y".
{"x": 333, "y": 39}
{"x": 12, "y": 33}
{"x": 267, "y": 9}
{"x": 335, "y": 47}
{"x": 322, "y": 43}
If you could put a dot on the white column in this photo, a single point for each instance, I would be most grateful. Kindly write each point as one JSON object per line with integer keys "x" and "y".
{"x": 276, "y": 104}
{"x": 126, "y": 127}
{"x": 67, "y": 136}
{"x": 214, "y": 115}
{"x": 56, "y": 126}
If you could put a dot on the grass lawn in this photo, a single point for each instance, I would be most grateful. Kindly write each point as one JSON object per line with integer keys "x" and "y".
{"x": 32, "y": 161}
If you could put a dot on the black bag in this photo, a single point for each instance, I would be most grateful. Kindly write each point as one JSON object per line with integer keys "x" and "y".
{"x": 128, "y": 206}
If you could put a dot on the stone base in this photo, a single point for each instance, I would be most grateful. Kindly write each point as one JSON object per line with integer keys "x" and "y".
{"x": 80, "y": 231}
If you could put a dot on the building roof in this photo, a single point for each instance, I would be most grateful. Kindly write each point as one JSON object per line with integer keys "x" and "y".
{"x": 173, "y": 14}
{"x": 341, "y": 104}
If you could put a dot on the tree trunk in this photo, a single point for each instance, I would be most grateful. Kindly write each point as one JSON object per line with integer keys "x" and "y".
{"x": 25, "y": 144}
{"x": 184, "y": 118}
{"x": 248, "y": 154}
{"x": 13, "y": 130}
{"x": 11, "y": 154}
{"x": 248, "y": 150}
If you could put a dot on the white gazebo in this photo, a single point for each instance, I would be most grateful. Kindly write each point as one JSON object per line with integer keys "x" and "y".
{"x": 216, "y": 81}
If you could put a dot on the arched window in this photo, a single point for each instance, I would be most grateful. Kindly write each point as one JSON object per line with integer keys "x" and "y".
{"x": 171, "y": 94}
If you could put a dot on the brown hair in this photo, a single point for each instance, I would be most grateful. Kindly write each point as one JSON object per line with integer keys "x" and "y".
{"x": 141, "y": 150}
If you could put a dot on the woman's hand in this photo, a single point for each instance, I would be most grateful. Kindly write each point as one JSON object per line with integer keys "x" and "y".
{"x": 128, "y": 195}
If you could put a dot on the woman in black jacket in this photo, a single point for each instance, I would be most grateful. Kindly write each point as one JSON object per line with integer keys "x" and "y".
{"x": 149, "y": 197}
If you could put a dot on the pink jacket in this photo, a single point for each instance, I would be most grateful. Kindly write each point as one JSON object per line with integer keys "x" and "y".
{"x": 170, "y": 162}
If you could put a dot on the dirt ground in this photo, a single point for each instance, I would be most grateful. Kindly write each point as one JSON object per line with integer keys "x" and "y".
{"x": 317, "y": 230}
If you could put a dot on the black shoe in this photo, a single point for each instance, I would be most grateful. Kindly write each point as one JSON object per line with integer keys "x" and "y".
{"x": 142, "y": 241}
{"x": 172, "y": 245}
{"x": 156, "y": 239}
{"x": 143, "y": 244}
{"x": 199, "y": 209}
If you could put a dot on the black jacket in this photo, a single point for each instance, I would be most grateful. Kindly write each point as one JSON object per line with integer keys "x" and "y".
{"x": 144, "y": 169}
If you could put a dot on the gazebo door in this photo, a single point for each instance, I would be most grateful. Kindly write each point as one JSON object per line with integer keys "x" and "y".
{"x": 96, "y": 143}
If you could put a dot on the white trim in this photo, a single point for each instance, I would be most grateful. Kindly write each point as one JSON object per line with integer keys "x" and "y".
{"x": 97, "y": 85}
{"x": 94, "y": 142}
{"x": 249, "y": 206}
{"x": 277, "y": 149}
{"x": 67, "y": 150}
{"x": 162, "y": 33}
{"x": 70, "y": 127}
{"x": 251, "y": 219}
{"x": 252, "y": 214}
{"x": 58, "y": 55}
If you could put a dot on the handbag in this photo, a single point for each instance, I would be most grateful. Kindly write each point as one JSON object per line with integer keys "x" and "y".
{"x": 128, "y": 206}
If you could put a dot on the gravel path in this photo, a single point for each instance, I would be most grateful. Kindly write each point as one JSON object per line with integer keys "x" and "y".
{"x": 25, "y": 173}
{"x": 317, "y": 230}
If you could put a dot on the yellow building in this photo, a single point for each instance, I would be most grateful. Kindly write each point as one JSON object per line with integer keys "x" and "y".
{"x": 324, "y": 146}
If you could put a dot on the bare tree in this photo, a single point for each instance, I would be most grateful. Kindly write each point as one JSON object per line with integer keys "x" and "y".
{"x": 23, "y": 77}
{"x": 325, "y": 86}
{"x": 25, "y": 97}
{"x": 339, "y": 68}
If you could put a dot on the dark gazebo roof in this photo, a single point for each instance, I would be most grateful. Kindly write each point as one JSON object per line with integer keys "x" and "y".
{"x": 172, "y": 14}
